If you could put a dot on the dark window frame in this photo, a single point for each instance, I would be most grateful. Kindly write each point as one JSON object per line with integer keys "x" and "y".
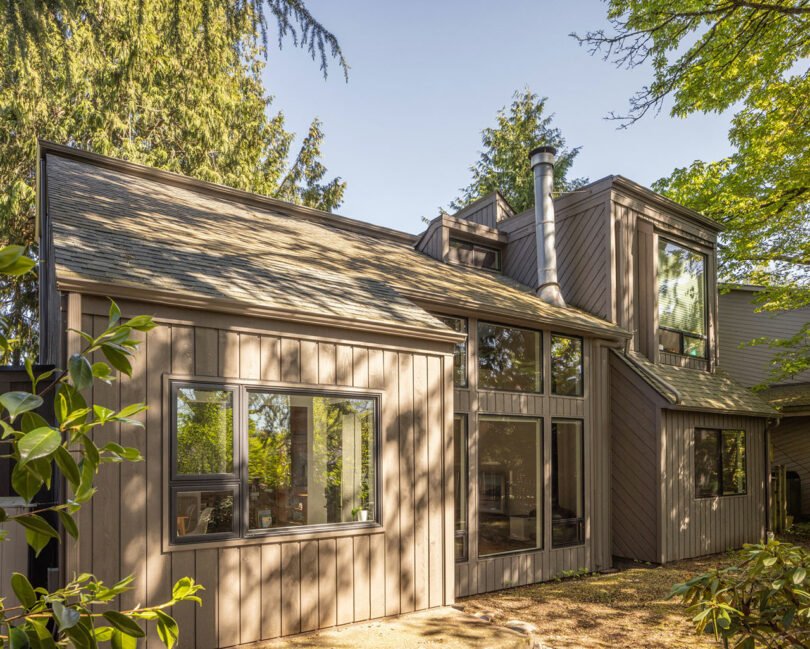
{"x": 465, "y": 418}
{"x": 682, "y": 334}
{"x": 581, "y": 421}
{"x": 497, "y": 268}
{"x": 719, "y": 450}
{"x": 466, "y": 345}
{"x": 581, "y": 392}
{"x": 540, "y": 357}
{"x": 216, "y": 482}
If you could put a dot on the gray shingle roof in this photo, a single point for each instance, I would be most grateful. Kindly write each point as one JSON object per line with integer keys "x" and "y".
{"x": 120, "y": 228}
{"x": 788, "y": 398}
{"x": 698, "y": 389}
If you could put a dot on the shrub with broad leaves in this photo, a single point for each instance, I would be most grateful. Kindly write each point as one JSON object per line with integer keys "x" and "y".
{"x": 82, "y": 613}
{"x": 762, "y": 602}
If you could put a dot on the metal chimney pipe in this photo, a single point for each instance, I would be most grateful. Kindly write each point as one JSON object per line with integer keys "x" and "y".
{"x": 542, "y": 163}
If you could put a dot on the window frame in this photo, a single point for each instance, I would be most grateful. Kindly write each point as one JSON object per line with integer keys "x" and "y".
{"x": 541, "y": 359}
{"x": 719, "y": 451}
{"x": 475, "y": 245}
{"x": 682, "y": 334}
{"x": 239, "y": 484}
{"x": 584, "y": 503}
{"x": 465, "y": 419}
{"x": 466, "y": 344}
{"x": 581, "y": 339}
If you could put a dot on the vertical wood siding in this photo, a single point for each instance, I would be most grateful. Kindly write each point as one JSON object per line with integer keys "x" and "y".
{"x": 695, "y": 526}
{"x": 260, "y": 590}
{"x": 790, "y": 442}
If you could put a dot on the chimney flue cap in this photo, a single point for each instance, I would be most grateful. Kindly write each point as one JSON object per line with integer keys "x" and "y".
{"x": 542, "y": 155}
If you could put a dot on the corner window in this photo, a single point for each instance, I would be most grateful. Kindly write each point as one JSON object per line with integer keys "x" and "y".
{"x": 720, "y": 466}
{"x": 681, "y": 300}
{"x": 294, "y": 460}
{"x": 566, "y": 365}
{"x": 567, "y": 483}
{"x": 460, "y": 473}
{"x": 468, "y": 253}
{"x": 509, "y": 358}
{"x": 510, "y": 484}
{"x": 459, "y": 351}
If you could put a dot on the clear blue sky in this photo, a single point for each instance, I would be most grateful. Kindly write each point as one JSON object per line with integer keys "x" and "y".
{"x": 427, "y": 75}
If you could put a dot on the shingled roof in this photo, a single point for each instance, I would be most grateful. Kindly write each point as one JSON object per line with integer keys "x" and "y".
{"x": 788, "y": 398}
{"x": 697, "y": 389}
{"x": 121, "y": 224}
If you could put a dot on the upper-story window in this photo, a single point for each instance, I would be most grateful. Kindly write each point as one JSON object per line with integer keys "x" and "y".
{"x": 566, "y": 365}
{"x": 509, "y": 358}
{"x": 459, "y": 351}
{"x": 681, "y": 300}
{"x": 474, "y": 254}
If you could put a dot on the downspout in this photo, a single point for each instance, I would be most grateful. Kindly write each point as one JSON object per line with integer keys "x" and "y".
{"x": 541, "y": 160}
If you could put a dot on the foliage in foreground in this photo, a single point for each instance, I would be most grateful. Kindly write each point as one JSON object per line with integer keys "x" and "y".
{"x": 72, "y": 615}
{"x": 749, "y": 58}
{"x": 763, "y": 602}
{"x": 503, "y": 164}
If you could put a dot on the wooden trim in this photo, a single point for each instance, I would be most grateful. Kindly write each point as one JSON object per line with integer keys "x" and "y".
{"x": 50, "y": 312}
{"x": 67, "y": 282}
{"x": 70, "y": 546}
{"x": 221, "y": 191}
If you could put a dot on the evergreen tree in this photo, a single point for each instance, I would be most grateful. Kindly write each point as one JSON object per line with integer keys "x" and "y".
{"x": 503, "y": 164}
{"x": 168, "y": 84}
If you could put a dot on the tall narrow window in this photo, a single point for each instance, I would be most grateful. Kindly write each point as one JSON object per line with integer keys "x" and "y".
{"x": 510, "y": 484}
{"x": 681, "y": 300}
{"x": 310, "y": 460}
{"x": 460, "y": 472}
{"x": 567, "y": 483}
{"x": 566, "y": 365}
{"x": 720, "y": 465}
{"x": 509, "y": 358}
{"x": 459, "y": 351}
{"x": 204, "y": 481}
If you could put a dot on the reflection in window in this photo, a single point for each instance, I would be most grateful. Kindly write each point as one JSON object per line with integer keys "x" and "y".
{"x": 510, "y": 469}
{"x": 460, "y": 475}
{"x": 509, "y": 358}
{"x": 311, "y": 460}
{"x": 204, "y": 431}
{"x": 567, "y": 484}
{"x": 681, "y": 300}
{"x": 474, "y": 254}
{"x": 459, "y": 350}
{"x": 204, "y": 512}
{"x": 566, "y": 365}
{"x": 720, "y": 467}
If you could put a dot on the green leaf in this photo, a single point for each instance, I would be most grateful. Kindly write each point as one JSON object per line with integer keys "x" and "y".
{"x": 14, "y": 262}
{"x": 115, "y": 313}
{"x": 103, "y": 633}
{"x": 65, "y": 616}
{"x": 23, "y": 590}
{"x": 122, "y": 641}
{"x": 68, "y": 523}
{"x": 39, "y": 443}
{"x": 38, "y": 524}
{"x": 102, "y": 372}
{"x": 117, "y": 359}
{"x": 91, "y": 451}
{"x": 31, "y": 420}
{"x": 17, "y": 638}
{"x": 67, "y": 465}
{"x": 81, "y": 373}
{"x": 142, "y": 323}
{"x": 798, "y": 575}
{"x": 19, "y": 402}
{"x": 167, "y": 629}
{"x": 124, "y": 623}
{"x": 25, "y": 482}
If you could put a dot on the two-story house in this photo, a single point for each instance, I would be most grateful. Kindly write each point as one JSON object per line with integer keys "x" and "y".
{"x": 741, "y": 322}
{"x": 347, "y": 421}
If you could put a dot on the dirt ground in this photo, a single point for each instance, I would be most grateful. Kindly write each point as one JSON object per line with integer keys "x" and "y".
{"x": 623, "y": 609}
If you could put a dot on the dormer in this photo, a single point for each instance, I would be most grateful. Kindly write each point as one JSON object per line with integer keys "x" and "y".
{"x": 455, "y": 240}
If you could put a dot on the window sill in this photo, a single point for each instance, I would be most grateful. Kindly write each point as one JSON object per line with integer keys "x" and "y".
{"x": 720, "y": 497}
{"x": 361, "y": 529}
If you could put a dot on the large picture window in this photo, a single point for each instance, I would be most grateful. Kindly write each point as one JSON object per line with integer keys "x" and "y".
{"x": 509, "y": 358}
{"x": 681, "y": 300}
{"x": 294, "y": 460}
{"x": 510, "y": 484}
{"x": 459, "y": 351}
{"x": 566, "y": 365}
{"x": 460, "y": 473}
{"x": 720, "y": 466}
{"x": 567, "y": 483}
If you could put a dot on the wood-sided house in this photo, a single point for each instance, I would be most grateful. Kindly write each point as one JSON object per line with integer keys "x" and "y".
{"x": 347, "y": 421}
{"x": 741, "y": 323}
